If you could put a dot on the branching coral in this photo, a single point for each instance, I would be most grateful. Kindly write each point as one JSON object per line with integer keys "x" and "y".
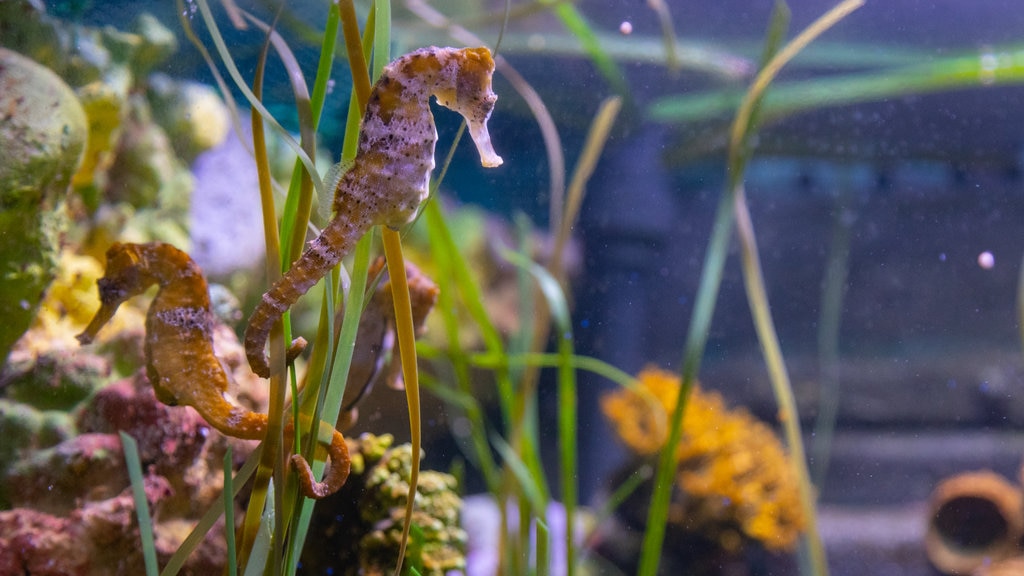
{"x": 733, "y": 471}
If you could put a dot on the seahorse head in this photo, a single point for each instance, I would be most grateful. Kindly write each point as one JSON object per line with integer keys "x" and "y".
{"x": 123, "y": 279}
{"x": 473, "y": 97}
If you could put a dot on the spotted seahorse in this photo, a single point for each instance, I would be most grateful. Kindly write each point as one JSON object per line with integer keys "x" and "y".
{"x": 389, "y": 176}
{"x": 180, "y": 361}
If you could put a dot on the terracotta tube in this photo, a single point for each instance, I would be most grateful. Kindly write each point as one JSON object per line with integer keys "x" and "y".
{"x": 974, "y": 519}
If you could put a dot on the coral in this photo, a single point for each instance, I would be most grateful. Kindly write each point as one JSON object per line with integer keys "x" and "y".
{"x": 734, "y": 476}
{"x": 42, "y": 135}
{"x": 373, "y": 506}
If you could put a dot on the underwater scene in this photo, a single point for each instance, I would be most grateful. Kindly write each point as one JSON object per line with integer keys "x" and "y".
{"x": 511, "y": 287}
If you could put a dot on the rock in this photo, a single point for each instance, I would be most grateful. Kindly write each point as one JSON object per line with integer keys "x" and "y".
{"x": 42, "y": 134}
{"x": 193, "y": 114}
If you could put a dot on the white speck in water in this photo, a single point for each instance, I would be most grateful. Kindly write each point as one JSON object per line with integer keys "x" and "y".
{"x": 330, "y": 86}
{"x": 989, "y": 64}
{"x": 626, "y": 28}
{"x": 986, "y": 260}
{"x": 942, "y": 257}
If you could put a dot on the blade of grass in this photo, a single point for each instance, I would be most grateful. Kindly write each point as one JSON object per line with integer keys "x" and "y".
{"x": 472, "y": 298}
{"x": 567, "y": 401}
{"x": 542, "y": 545}
{"x": 131, "y": 458}
{"x": 1020, "y": 305}
{"x": 753, "y": 278}
{"x": 833, "y": 290}
{"x": 594, "y": 365}
{"x": 262, "y": 544}
{"x": 381, "y": 36}
{"x": 446, "y": 306}
{"x": 941, "y": 75}
{"x": 597, "y": 136}
{"x": 225, "y": 91}
{"x": 668, "y": 34}
{"x": 533, "y": 492}
{"x": 406, "y": 336}
{"x": 229, "y": 514}
{"x": 709, "y": 283}
{"x": 210, "y": 518}
{"x": 577, "y": 24}
{"x": 354, "y": 48}
{"x": 299, "y": 201}
{"x": 236, "y": 76}
{"x": 254, "y": 512}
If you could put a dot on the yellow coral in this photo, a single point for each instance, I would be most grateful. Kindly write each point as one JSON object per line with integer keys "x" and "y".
{"x": 71, "y": 300}
{"x": 733, "y": 470}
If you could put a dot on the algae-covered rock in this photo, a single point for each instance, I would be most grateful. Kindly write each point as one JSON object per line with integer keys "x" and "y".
{"x": 42, "y": 135}
{"x": 53, "y": 380}
{"x": 25, "y": 429}
{"x": 193, "y": 114}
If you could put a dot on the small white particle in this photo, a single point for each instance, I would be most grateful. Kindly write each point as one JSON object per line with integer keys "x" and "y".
{"x": 986, "y": 260}
{"x": 626, "y": 28}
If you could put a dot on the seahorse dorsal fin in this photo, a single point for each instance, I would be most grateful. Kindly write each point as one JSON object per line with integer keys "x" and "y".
{"x": 331, "y": 180}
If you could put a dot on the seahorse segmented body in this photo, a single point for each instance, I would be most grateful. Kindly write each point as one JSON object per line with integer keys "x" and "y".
{"x": 391, "y": 172}
{"x": 180, "y": 361}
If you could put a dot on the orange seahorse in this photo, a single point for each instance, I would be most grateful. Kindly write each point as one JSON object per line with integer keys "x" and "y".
{"x": 180, "y": 361}
{"x": 391, "y": 171}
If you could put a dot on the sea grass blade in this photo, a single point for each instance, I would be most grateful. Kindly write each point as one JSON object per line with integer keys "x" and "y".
{"x": 597, "y": 136}
{"x": 443, "y": 254}
{"x": 272, "y": 440}
{"x": 236, "y": 76}
{"x": 406, "y": 337}
{"x": 588, "y": 363}
{"x": 1020, "y": 305}
{"x": 198, "y": 533}
{"x": 231, "y": 550}
{"x": 788, "y": 98}
{"x": 567, "y": 400}
{"x": 526, "y": 481}
{"x": 299, "y": 201}
{"x": 261, "y": 553}
{"x": 131, "y": 458}
{"x": 577, "y": 24}
{"x": 833, "y": 291}
{"x": 472, "y": 298}
{"x": 757, "y": 295}
{"x": 542, "y": 545}
{"x": 708, "y": 289}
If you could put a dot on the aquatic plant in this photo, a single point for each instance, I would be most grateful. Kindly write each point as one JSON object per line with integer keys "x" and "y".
{"x": 277, "y": 519}
{"x": 732, "y": 471}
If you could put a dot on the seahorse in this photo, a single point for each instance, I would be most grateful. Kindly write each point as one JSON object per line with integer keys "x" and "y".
{"x": 375, "y": 357}
{"x": 180, "y": 361}
{"x": 388, "y": 179}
